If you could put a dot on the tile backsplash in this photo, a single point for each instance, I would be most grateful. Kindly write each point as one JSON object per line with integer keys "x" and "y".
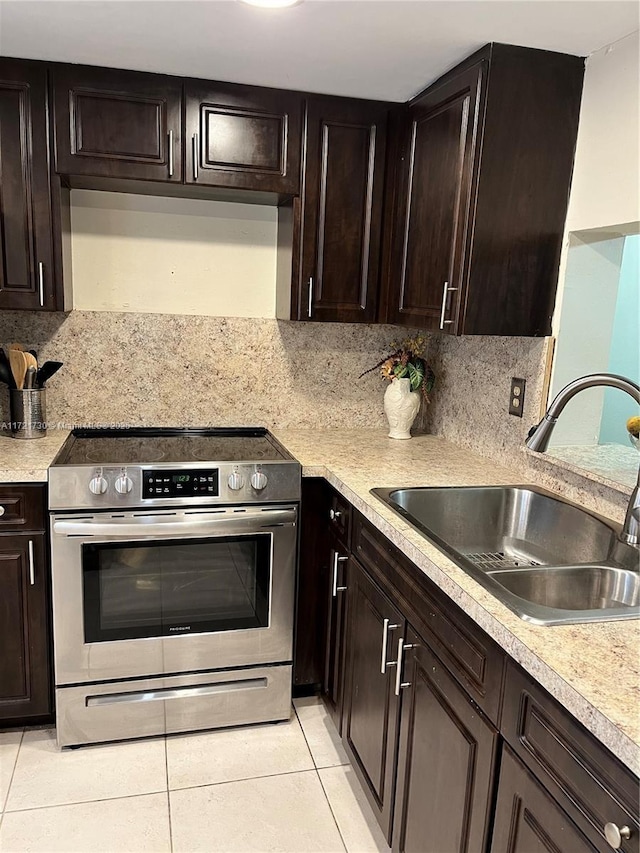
{"x": 160, "y": 369}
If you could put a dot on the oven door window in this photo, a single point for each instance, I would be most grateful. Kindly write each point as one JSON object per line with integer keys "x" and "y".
{"x": 167, "y": 588}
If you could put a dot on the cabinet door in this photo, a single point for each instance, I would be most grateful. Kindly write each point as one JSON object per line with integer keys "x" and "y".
{"x": 371, "y": 704}
{"x": 446, "y": 765}
{"x": 243, "y": 137}
{"x": 25, "y": 685}
{"x": 336, "y": 590}
{"x": 117, "y": 124}
{"x": 435, "y": 204}
{"x": 527, "y": 819}
{"x": 342, "y": 210}
{"x": 26, "y": 241}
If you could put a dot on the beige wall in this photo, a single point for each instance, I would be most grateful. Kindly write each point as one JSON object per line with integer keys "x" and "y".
{"x": 172, "y": 256}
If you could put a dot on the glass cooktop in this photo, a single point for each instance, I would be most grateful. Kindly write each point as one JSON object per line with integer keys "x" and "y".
{"x": 142, "y": 446}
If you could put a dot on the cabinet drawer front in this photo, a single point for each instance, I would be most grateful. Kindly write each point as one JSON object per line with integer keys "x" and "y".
{"x": 475, "y": 661}
{"x": 590, "y": 784}
{"x": 340, "y": 519}
{"x": 21, "y": 508}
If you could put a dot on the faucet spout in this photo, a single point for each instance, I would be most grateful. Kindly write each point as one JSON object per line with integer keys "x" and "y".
{"x": 538, "y": 438}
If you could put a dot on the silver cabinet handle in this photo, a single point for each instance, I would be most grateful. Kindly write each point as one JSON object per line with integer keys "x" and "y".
{"x": 334, "y": 514}
{"x": 194, "y": 153}
{"x": 2, "y": 511}
{"x": 400, "y": 684}
{"x": 386, "y": 628}
{"x": 32, "y": 568}
{"x": 445, "y": 292}
{"x": 334, "y": 587}
{"x": 170, "y": 143}
{"x": 310, "y": 305}
{"x": 41, "y": 283}
{"x": 615, "y": 835}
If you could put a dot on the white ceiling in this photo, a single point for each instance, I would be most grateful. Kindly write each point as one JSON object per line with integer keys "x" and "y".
{"x": 388, "y": 49}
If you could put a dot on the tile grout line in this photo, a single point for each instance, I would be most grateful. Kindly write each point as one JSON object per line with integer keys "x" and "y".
{"x": 166, "y": 764}
{"x": 13, "y": 773}
{"x": 85, "y": 802}
{"x": 304, "y": 735}
{"x": 335, "y": 819}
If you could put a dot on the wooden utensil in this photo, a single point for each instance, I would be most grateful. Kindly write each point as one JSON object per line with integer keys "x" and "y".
{"x": 19, "y": 366}
{"x": 31, "y": 360}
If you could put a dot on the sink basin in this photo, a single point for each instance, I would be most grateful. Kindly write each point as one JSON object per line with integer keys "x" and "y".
{"x": 547, "y": 560}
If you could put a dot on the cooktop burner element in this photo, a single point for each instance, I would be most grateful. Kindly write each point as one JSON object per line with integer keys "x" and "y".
{"x": 168, "y": 466}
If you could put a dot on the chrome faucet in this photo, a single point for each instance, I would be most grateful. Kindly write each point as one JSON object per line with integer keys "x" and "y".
{"x": 538, "y": 438}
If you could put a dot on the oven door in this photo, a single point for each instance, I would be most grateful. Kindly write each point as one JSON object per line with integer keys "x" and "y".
{"x": 151, "y": 593}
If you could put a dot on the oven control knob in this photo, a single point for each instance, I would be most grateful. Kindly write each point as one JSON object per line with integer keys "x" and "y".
{"x": 98, "y": 485}
{"x": 235, "y": 481}
{"x": 258, "y": 481}
{"x": 123, "y": 485}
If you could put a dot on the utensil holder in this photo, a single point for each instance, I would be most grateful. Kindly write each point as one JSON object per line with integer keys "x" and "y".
{"x": 28, "y": 412}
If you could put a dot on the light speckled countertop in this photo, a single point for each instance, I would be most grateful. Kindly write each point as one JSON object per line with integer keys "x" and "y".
{"x": 27, "y": 461}
{"x": 593, "y": 670}
{"x": 612, "y": 465}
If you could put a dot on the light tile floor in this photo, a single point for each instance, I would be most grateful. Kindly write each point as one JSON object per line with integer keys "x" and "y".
{"x": 285, "y": 787}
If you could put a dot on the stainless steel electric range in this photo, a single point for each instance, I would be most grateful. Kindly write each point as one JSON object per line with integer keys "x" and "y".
{"x": 173, "y": 565}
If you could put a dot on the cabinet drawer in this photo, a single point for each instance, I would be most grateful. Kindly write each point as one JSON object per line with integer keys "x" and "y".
{"x": 590, "y": 784}
{"x": 21, "y": 508}
{"x": 473, "y": 658}
{"x": 340, "y": 518}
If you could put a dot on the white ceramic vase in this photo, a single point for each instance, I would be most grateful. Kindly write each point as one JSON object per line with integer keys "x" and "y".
{"x": 401, "y": 406}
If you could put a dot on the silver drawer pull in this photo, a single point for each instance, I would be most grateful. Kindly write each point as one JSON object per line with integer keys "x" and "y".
{"x": 616, "y": 835}
{"x": 337, "y": 559}
{"x": 195, "y": 153}
{"x": 41, "y": 283}
{"x": 170, "y": 143}
{"x": 2, "y": 511}
{"x": 386, "y": 628}
{"x": 445, "y": 292}
{"x": 165, "y": 693}
{"x": 400, "y": 684}
{"x": 334, "y": 514}
{"x": 32, "y": 567}
{"x": 310, "y": 305}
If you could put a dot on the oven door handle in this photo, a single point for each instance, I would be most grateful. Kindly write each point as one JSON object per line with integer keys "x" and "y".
{"x": 151, "y": 527}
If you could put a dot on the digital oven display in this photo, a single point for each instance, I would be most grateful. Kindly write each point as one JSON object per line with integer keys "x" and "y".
{"x": 197, "y": 483}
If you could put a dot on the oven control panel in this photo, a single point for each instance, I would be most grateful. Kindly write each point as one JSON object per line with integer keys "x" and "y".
{"x": 164, "y": 483}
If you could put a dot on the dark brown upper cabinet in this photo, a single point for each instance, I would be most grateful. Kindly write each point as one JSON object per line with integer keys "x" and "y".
{"x": 27, "y": 274}
{"x": 117, "y": 124}
{"x": 341, "y": 211}
{"x": 483, "y": 178}
{"x": 242, "y": 137}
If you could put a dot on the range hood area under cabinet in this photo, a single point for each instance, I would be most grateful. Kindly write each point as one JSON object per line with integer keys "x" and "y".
{"x": 445, "y": 213}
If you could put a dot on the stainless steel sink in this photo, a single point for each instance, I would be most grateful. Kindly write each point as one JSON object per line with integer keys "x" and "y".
{"x": 547, "y": 560}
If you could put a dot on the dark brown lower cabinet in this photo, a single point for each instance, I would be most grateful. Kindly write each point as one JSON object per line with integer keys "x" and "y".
{"x": 25, "y": 677}
{"x": 528, "y": 819}
{"x": 335, "y": 608}
{"x": 371, "y": 705}
{"x": 446, "y": 761}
